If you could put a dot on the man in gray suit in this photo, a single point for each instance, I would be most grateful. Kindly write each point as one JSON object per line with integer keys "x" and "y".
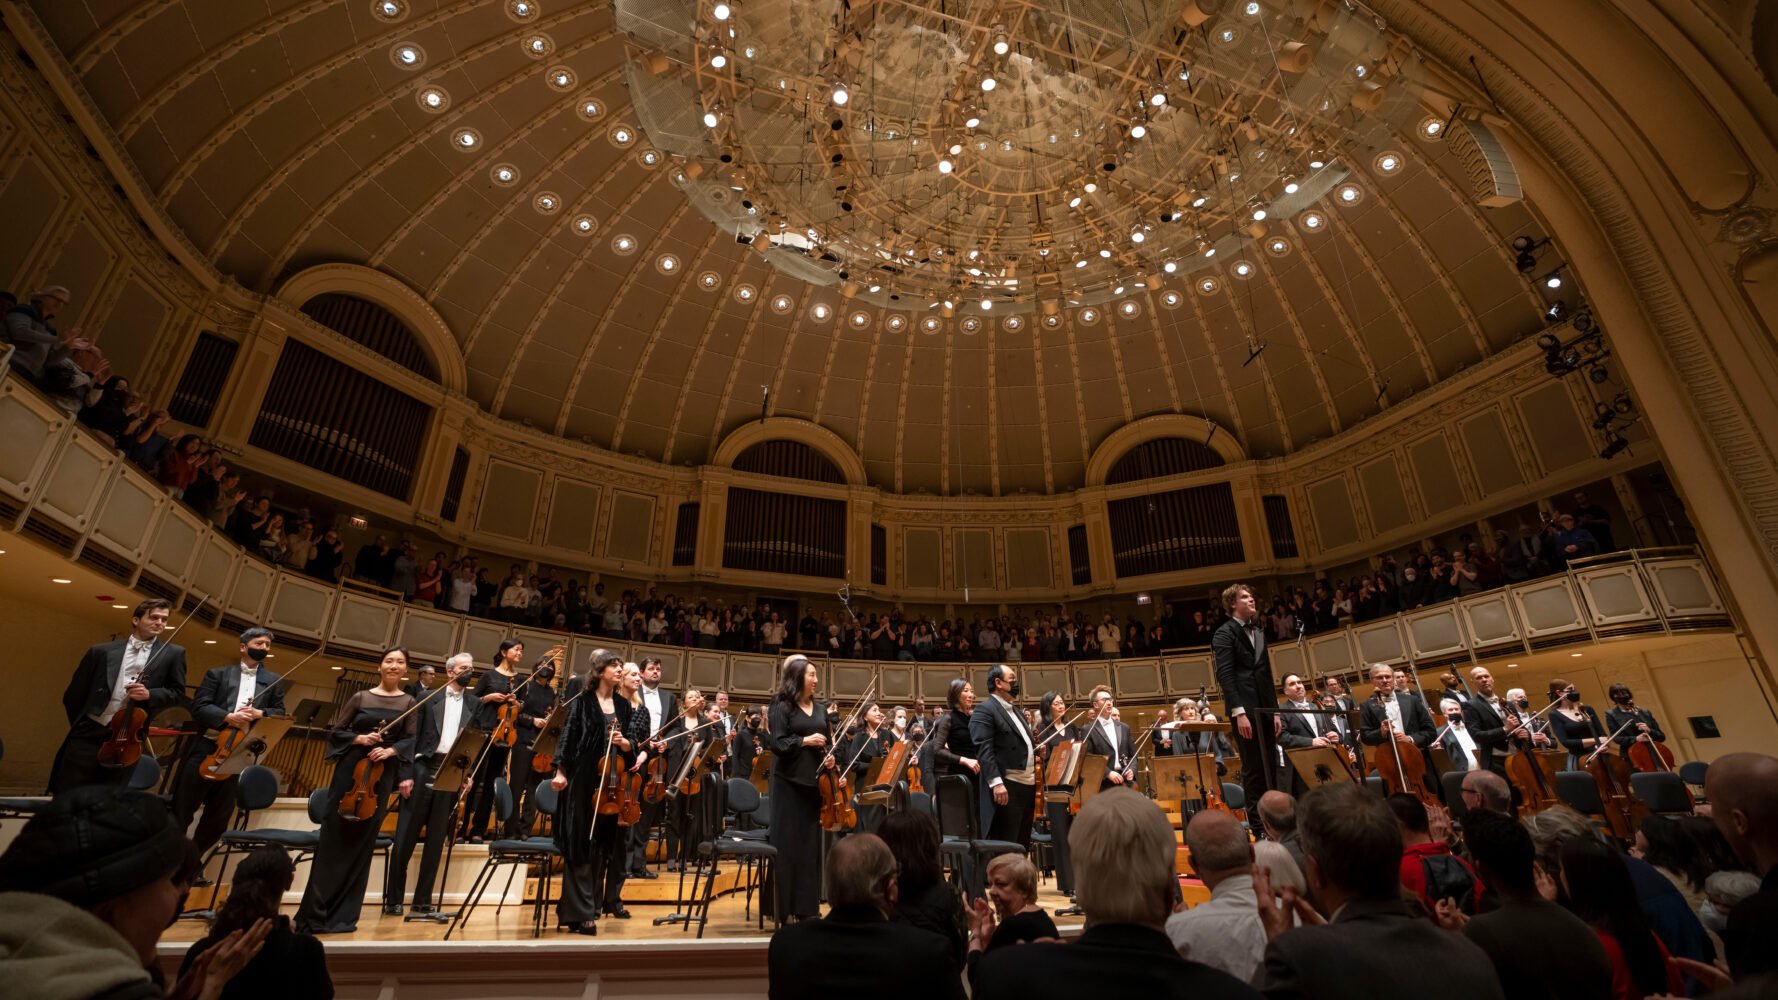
{"x": 1354, "y": 849}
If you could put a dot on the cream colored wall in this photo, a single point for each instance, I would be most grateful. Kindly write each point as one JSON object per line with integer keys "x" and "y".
{"x": 46, "y": 646}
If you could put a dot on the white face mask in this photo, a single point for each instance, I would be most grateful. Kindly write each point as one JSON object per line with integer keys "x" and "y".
{"x": 1712, "y": 918}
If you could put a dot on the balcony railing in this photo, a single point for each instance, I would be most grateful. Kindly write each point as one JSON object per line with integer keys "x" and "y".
{"x": 67, "y": 489}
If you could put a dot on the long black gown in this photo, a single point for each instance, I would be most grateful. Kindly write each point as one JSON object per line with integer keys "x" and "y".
{"x": 592, "y": 869}
{"x": 341, "y": 869}
{"x": 1056, "y": 808}
{"x": 796, "y": 803}
{"x": 1570, "y": 734}
{"x": 494, "y": 761}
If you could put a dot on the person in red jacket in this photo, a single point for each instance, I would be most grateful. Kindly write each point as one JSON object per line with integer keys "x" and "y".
{"x": 1428, "y": 868}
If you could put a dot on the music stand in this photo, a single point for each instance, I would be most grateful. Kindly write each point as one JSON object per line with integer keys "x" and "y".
{"x": 304, "y": 717}
{"x": 465, "y": 750}
{"x": 1180, "y": 774}
{"x": 259, "y": 742}
{"x": 1319, "y": 766}
{"x": 1441, "y": 760}
{"x": 550, "y": 736}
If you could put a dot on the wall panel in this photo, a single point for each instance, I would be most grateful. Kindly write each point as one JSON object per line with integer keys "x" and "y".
{"x": 1383, "y": 494}
{"x": 631, "y": 534}
{"x": 509, "y": 500}
{"x": 1491, "y": 453}
{"x": 1436, "y": 472}
{"x": 1028, "y": 558}
{"x": 1331, "y": 502}
{"x": 922, "y": 565}
{"x": 573, "y": 510}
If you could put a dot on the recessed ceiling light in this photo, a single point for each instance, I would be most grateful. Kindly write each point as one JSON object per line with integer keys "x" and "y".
{"x": 667, "y": 264}
{"x": 538, "y": 46}
{"x": 121, "y": 607}
{"x": 1575, "y": 655}
{"x": 709, "y": 280}
{"x": 433, "y": 99}
{"x": 212, "y": 642}
{"x": 389, "y": 10}
{"x": 1512, "y": 665}
{"x": 589, "y": 109}
{"x": 548, "y": 202}
{"x": 1138, "y": 130}
{"x": 560, "y": 78}
{"x": 584, "y": 225}
{"x": 721, "y": 12}
{"x": 504, "y": 174}
{"x": 57, "y": 579}
{"x": 522, "y": 10}
{"x": 466, "y": 140}
{"x": 407, "y": 55}
{"x": 745, "y": 293}
{"x": 623, "y": 244}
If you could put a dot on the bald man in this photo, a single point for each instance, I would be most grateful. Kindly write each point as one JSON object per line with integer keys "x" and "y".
{"x": 1743, "y": 793}
{"x": 1224, "y": 933}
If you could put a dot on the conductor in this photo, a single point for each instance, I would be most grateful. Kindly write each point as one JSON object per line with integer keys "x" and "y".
{"x": 1244, "y": 671}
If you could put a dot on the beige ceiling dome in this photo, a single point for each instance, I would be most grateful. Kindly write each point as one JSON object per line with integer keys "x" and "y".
{"x": 489, "y": 155}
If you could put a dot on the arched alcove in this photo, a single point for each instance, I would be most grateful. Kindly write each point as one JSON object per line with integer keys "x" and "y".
{"x": 1213, "y": 446}
{"x": 413, "y": 312}
{"x": 820, "y": 440}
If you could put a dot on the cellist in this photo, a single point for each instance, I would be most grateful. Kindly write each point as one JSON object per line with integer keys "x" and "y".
{"x": 234, "y": 696}
{"x": 1646, "y": 730}
{"x": 595, "y": 740}
{"x": 1406, "y": 714}
{"x": 140, "y": 671}
{"x": 1576, "y": 725}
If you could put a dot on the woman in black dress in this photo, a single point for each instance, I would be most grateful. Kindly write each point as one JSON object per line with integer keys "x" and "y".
{"x": 341, "y": 870}
{"x": 862, "y": 751}
{"x": 1576, "y": 726}
{"x": 953, "y": 751}
{"x": 799, "y": 733}
{"x": 592, "y": 868}
{"x": 1055, "y": 729}
{"x": 1631, "y": 724}
{"x": 535, "y": 703}
{"x": 493, "y": 689}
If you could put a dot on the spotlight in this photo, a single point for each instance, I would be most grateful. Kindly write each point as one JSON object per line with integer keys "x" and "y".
{"x": 1603, "y": 415}
{"x": 721, "y": 11}
{"x": 1290, "y": 184}
{"x": 1623, "y": 404}
{"x": 1317, "y": 159}
{"x": 946, "y": 166}
{"x": 1557, "y": 310}
{"x": 988, "y": 84}
{"x": 1583, "y": 321}
{"x": 1001, "y": 45}
{"x": 841, "y": 95}
{"x": 1157, "y": 99}
{"x": 1552, "y": 280}
{"x": 710, "y": 119}
{"x": 1549, "y": 342}
{"x": 1138, "y": 130}
{"x": 1613, "y": 445}
{"x": 1525, "y": 262}
{"x": 718, "y": 60}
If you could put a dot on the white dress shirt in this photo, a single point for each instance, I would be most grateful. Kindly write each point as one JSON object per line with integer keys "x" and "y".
{"x": 135, "y": 662}
{"x": 1109, "y": 728}
{"x": 1467, "y": 742}
{"x": 1018, "y": 776}
{"x": 651, "y": 699}
{"x": 453, "y": 719}
{"x": 249, "y": 685}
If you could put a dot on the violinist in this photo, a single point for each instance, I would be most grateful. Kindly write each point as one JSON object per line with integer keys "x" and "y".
{"x": 234, "y": 696}
{"x": 595, "y": 741}
{"x": 863, "y": 749}
{"x": 1576, "y": 726}
{"x": 493, "y": 692}
{"x": 677, "y": 832}
{"x": 1485, "y": 715}
{"x": 1646, "y": 730}
{"x": 1107, "y": 737}
{"x": 1406, "y": 716}
{"x": 341, "y": 868}
{"x": 1055, "y": 729}
{"x": 1005, "y": 748}
{"x": 953, "y": 751}
{"x": 441, "y": 719}
{"x": 898, "y": 725}
{"x": 138, "y": 672}
{"x": 535, "y": 703}
{"x": 1302, "y": 728}
{"x": 799, "y": 735}
{"x": 1458, "y": 742}
{"x": 662, "y": 708}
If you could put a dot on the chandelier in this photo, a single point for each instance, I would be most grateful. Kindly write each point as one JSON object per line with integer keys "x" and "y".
{"x": 973, "y": 155}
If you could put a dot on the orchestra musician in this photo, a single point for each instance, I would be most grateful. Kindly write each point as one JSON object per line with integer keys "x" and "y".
{"x": 863, "y": 749}
{"x": 440, "y": 720}
{"x": 341, "y": 869}
{"x": 140, "y": 671}
{"x": 1300, "y": 730}
{"x": 234, "y": 696}
{"x": 1006, "y": 750}
{"x": 677, "y": 833}
{"x": 1406, "y": 714}
{"x": 1055, "y": 729}
{"x": 535, "y": 703}
{"x": 1574, "y": 725}
{"x": 953, "y": 751}
{"x": 1624, "y": 708}
{"x": 1244, "y": 672}
{"x": 1339, "y": 716}
{"x": 599, "y": 733}
{"x": 1458, "y": 742}
{"x": 1107, "y": 737}
{"x": 1484, "y": 715}
{"x": 493, "y": 689}
{"x": 799, "y": 727}
{"x": 662, "y": 708}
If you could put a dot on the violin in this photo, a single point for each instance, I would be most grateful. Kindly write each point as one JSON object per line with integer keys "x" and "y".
{"x": 129, "y": 726}
{"x": 914, "y": 784}
{"x": 506, "y": 725}
{"x": 361, "y": 800}
{"x": 229, "y": 738}
{"x": 655, "y": 788}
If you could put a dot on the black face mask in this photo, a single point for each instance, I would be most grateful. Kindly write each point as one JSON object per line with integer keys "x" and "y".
{"x": 1572, "y": 696}
{"x": 1524, "y": 704}
{"x": 256, "y": 654}
{"x": 1013, "y": 689}
{"x": 1622, "y": 698}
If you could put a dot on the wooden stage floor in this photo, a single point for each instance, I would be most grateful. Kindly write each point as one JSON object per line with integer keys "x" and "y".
{"x": 646, "y": 900}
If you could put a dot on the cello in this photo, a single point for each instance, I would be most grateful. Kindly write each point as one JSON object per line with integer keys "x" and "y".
{"x": 1624, "y": 812}
{"x": 1532, "y": 772}
{"x": 1402, "y": 767}
{"x": 129, "y": 726}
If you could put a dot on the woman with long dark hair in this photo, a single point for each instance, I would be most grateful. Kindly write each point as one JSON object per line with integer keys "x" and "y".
{"x": 925, "y": 900}
{"x": 596, "y": 732}
{"x": 1600, "y": 892}
{"x": 341, "y": 870}
{"x": 800, "y": 736}
{"x": 289, "y": 964}
{"x": 953, "y": 751}
{"x": 1054, "y": 729}
{"x": 1576, "y": 725}
{"x": 493, "y": 690}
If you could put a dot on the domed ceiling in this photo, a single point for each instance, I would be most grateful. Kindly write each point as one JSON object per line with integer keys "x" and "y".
{"x": 496, "y": 156}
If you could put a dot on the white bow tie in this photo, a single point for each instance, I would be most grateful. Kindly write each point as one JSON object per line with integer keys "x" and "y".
{"x": 249, "y": 672}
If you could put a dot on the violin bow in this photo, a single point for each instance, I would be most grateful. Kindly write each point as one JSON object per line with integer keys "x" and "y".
{"x": 1606, "y": 744}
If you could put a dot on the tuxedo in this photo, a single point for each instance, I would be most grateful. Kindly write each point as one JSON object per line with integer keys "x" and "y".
{"x": 1416, "y": 721}
{"x": 425, "y": 808}
{"x": 1488, "y": 729}
{"x": 218, "y": 694}
{"x": 1244, "y": 672}
{"x": 89, "y": 693}
{"x": 1123, "y": 751}
{"x": 1004, "y": 746}
{"x": 651, "y": 811}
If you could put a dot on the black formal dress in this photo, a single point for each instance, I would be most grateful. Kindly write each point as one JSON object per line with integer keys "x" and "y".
{"x": 1572, "y": 734}
{"x": 1020, "y": 928}
{"x": 495, "y": 759}
{"x": 592, "y": 845}
{"x": 341, "y": 868}
{"x": 1056, "y": 807}
{"x": 796, "y": 803}
{"x": 218, "y": 695}
{"x": 951, "y": 743}
{"x": 1108, "y": 960}
{"x": 1618, "y": 718}
{"x": 1004, "y": 746}
{"x": 1244, "y": 672}
{"x": 535, "y": 702}
{"x": 159, "y": 666}
{"x": 681, "y": 829}
{"x": 289, "y": 966}
{"x": 858, "y": 954}
{"x": 862, "y": 750}
{"x": 424, "y": 809}
{"x": 1360, "y": 955}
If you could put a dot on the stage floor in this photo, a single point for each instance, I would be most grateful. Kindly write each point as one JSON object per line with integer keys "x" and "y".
{"x": 646, "y": 900}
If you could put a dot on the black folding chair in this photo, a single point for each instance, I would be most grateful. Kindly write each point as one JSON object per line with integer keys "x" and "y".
{"x": 515, "y": 854}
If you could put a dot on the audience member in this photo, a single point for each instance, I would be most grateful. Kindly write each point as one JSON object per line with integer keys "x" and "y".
{"x": 1277, "y": 815}
{"x": 925, "y": 899}
{"x": 1354, "y": 847}
{"x": 1486, "y": 790}
{"x": 1522, "y": 933}
{"x": 1280, "y": 867}
{"x": 1122, "y": 847}
{"x": 289, "y": 965}
{"x": 86, "y": 889}
{"x": 1010, "y": 915}
{"x": 1225, "y": 932}
{"x": 1428, "y": 868}
{"x": 1599, "y": 891}
{"x": 1743, "y": 793}
{"x": 847, "y": 952}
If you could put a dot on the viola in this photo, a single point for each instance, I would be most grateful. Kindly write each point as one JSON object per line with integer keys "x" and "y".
{"x": 914, "y": 784}
{"x": 629, "y": 811}
{"x": 655, "y": 788}
{"x": 124, "y": 747}
{"x": 611, "y": 786}
{"x": 361, "y": 801}
{"x": 506, "y": 728}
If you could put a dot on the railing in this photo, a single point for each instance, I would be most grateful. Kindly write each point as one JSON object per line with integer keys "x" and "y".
{"x": 62, "y": 486}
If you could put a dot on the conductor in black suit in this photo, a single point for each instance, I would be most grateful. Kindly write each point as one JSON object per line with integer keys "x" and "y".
{"x": 1107, "y": 737}
{"x": 441, "y": 719}
{"x": 141, "y": 671}
{"x": 230, "y": 697}
{"x": 1004, "y": 748}
{"x": 1244, "y": 672}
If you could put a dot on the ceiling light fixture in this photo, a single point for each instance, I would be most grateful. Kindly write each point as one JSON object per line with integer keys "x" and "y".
{"x": 721, "y": 11}
{"x": 840, "y": 95}
{"x": 1001, "y": 45}
{"x": 988, "y": 84}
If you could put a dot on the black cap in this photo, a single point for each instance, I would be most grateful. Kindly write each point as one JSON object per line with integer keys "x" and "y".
{"x": 94, "y": 843}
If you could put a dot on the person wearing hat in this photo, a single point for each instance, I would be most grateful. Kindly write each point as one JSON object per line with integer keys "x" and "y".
{"x": 86, "y": 890}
